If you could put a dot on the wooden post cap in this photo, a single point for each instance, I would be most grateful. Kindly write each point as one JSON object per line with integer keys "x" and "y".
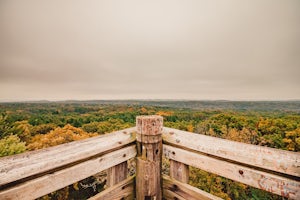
{"x": 149, "y": 124}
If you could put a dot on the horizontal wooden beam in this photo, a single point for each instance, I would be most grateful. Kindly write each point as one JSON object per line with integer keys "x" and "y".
{"x": 123, "y": 190}
{"x": 51, "y": 182}
{"x": 267, "y": 158}
{"x": 173, "y": 189}
{"x": 13, "y": 168}
{"x": 272, "y": 183}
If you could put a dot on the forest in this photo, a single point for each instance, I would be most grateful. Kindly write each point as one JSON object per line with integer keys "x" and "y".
{"x": 29, "y": 126}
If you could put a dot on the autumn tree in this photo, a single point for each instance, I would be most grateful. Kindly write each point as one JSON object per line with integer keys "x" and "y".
{"x": 42, "y": 129}
{"x": 58, "y": 136}
{"x": 292, "y": 140}
{"x": 106, "y": 126}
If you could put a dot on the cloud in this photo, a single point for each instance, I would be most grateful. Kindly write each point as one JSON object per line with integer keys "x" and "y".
{"x": 158, "y": 49}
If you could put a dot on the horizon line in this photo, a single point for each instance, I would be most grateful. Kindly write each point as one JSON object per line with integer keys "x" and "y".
{"x": 157, "y": 99}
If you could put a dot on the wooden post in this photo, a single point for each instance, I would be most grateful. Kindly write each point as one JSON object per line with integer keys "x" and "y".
{"x": 116, "y": 174}
{"x": 149, "y": 144}
{"x": 179, "y": 171}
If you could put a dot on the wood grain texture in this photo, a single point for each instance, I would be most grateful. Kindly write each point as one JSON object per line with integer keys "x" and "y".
{"x": 149, "y": 124}
{"x": 173, "y": 189}
{"x": 20, "y": 166}
{"x": 149, "y": 182}
{"x": 51, "y": 182}
{"x": 116, "y": 174}
{"x": 179, "y": 171}
{"x": 258, "y": 156}
{"x": 272, "y": 183}
{"x": 121, "y": 191}
{"x": 148, "y": 162}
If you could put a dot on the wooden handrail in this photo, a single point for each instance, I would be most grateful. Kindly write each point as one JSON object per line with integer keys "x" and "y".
{"x": 123, "y": 190}
{"x": 174, "y": 189}
{"x": 20, "y": 166}
{"x": 264, "y": 157}
{"x": 33, "y": 174}
{"x": 229, "y": 159}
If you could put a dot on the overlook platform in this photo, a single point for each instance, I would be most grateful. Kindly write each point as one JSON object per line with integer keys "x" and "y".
{"x": 33, "y": 174}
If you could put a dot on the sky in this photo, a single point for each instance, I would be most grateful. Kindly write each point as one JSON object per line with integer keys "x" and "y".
{"x": 133, "y": 49}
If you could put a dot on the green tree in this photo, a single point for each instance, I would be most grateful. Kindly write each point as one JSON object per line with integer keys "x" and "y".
{"x": 5, "y": 126}
{"x": 11, "y": 145}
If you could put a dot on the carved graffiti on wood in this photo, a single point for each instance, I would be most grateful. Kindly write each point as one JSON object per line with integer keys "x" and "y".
{"x": 270, "y": 185}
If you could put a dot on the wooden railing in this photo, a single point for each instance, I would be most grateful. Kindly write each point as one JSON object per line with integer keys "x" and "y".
{"x": 34, "y": 174}
{"x": 269, "y": 169}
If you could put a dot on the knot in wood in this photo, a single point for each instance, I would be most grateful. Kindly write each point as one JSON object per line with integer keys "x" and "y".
{"x": 174, "y": 188}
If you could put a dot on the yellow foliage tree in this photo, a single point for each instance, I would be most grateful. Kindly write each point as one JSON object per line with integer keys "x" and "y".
{"x": 24, "y": 129}
{"x": 245, "y": 135}
{"x": 143, "y": 110}
{"x": 293, "y": 140}
{"x": 164, "y": 113}
{"x": 190, "y": 128}
{"x": 58, "y": 136}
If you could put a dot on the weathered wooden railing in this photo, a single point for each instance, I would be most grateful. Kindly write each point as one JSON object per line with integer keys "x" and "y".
{"x": 269, "y": 169}
{"x": 33, "y": 174}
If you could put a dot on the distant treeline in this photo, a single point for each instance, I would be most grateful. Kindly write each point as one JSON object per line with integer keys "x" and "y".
{"x": 195, "y": 104}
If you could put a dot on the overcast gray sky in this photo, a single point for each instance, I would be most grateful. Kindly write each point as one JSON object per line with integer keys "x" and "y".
{"x": 133, "y": 49}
